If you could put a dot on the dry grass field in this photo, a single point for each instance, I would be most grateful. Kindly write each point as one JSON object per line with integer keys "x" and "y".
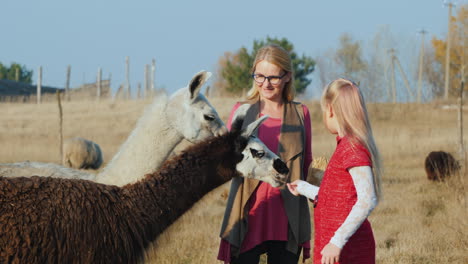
{"x": 416, "y": 222}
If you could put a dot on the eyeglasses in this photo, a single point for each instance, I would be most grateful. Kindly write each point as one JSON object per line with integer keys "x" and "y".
{"x": 272, "y": 79}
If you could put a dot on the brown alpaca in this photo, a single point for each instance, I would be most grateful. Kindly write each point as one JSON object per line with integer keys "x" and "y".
{"x": 54, "y": 220}
{"x": 440, "y": 165}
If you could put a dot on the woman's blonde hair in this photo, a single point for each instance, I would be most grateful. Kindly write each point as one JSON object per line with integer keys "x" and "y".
{"x": 280, "y": 57}
{"x": 350, "y": 109}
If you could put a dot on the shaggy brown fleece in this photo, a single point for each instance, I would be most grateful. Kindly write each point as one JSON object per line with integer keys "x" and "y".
{"x": 52, "y": 220}
{"x": 440, "y": 165}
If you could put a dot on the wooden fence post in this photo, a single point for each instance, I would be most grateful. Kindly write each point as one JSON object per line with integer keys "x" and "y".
{"x": 139, "y": 93}
{"x": 461, "y": 147}
{"x": 60, "y": 125}
{"x": 39, "y": 84}
{"x": 98, "y": 84}
{"x": 119, "y": 93}
{"x": 127, "y": 78}
{"x": 67, "y": 83}
{"x": 110, "y": 89}
{"x": 153, "y": 72}
{"x": 146, "y": 82}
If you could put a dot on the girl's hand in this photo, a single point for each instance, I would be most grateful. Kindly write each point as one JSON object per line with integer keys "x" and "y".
{"x": 292, "y": 187}
{"x": 330, "y": 254}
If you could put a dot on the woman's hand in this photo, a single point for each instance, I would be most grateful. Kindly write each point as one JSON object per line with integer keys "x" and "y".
{"x": 292, "y": 187}
{"x": 330, "y": 254}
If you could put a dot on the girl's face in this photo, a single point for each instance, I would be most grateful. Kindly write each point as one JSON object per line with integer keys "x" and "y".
{"x": 267, "y": 90}
{"x": 330, "y": 121}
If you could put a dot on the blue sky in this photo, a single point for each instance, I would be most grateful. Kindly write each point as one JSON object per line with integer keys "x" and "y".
{"x": 187, "y": 36}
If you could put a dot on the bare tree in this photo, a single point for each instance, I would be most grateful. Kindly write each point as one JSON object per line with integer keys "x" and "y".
{"x": 376, "y": 84}
{"x": 326, "y": 67}
{"x": 349, "y": 57}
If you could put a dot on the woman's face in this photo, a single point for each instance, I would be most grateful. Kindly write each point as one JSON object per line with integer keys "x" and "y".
{"x": 266, "y": 89}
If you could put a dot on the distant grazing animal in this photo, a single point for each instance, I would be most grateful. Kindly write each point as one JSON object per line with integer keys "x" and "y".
{"x": 80, "y": 153}
{"x": 440, "y": 165}
{"x": 187, "y": 114}
{"x": 56, "y": 220}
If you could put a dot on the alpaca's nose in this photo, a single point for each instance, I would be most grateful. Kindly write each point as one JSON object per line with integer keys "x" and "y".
{"x": 221, "y": 131}
{"x": 280, "y": 166}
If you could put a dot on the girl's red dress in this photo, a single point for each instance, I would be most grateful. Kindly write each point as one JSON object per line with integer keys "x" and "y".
{"x": 336, "y": 198}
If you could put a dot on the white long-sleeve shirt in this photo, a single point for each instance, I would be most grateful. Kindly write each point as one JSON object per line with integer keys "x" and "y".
{"x": 366, "y": 202}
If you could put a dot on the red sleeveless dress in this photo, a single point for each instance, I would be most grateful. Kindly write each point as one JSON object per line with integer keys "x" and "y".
{"x": 336, "y": 198}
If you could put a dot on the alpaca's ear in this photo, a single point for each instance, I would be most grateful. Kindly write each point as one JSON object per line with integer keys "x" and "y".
{"x": 238, "y": 117}
{"x": 197, "y": 82}
{"x": 236, "y": 124}
{"x": 252, "y": 128}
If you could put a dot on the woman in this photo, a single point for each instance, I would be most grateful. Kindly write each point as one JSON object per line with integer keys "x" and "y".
{"x": 259, "y": 218}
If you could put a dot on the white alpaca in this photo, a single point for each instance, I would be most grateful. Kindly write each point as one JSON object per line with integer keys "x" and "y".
{"x": 187, "y": 114}
{"x": 32, "y": 168}
{"x": 165, "y": 123}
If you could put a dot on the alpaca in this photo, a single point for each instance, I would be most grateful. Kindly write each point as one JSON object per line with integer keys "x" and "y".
{"x": 80, "y": 153}
{"x": 30, "y": 168}
{"x": 56, "y": 220}
{"x": 440, "y": 165}
{"x": 187, "y": 114}
{"x": 34, "y": 168}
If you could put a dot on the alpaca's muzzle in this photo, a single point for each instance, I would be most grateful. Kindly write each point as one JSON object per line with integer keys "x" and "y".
{"x": 280, "y": 166}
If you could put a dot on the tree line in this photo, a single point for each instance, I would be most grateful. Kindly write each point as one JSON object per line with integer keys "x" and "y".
{"x": 383, "y": 69}
{"x": 16, "y": 72}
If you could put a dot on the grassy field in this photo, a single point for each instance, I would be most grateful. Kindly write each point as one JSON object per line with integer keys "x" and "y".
{"x": 416, "y": 222}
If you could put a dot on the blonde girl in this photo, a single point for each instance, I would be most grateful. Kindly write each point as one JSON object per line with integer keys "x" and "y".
{"x": 351, "y": 184}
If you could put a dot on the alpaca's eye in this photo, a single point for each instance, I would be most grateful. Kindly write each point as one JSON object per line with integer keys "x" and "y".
{"x": 257, "y": 153}
{"x": 209, "y": 117}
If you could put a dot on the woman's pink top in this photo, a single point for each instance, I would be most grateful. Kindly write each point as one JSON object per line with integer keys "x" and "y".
{"x": 336, "y": 198}
{"x": 267, "y": 216}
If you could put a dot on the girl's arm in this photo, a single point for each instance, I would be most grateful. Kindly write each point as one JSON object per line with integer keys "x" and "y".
{"x": 299, "y": 187}
{"x": 366, "y": 202}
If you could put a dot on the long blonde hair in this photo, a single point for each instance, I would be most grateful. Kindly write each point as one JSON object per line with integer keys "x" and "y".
{"x": 350, "y": 109}
{"x": 278, "y": 56}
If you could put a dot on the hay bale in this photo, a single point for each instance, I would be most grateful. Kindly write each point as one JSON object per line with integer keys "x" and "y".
{"x": 316, "y": 170}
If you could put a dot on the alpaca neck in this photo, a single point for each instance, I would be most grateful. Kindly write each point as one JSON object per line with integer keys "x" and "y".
{"x": 149, "y": 144}
{"x": 180, "y": 183}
